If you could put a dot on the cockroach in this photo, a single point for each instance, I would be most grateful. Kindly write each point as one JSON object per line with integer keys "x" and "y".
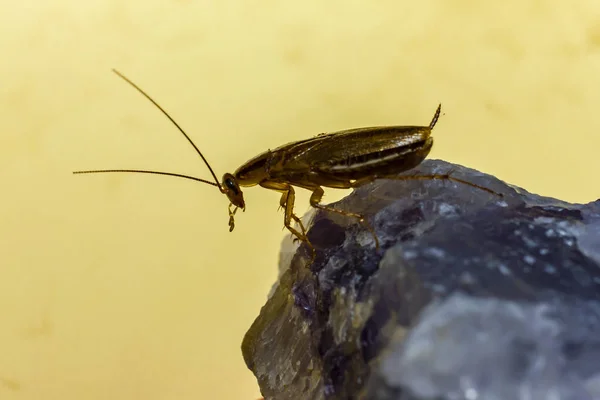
{"x": 342, "y": 160}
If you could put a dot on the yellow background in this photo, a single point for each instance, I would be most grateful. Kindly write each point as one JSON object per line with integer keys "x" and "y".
{"x": 130, "y": 286}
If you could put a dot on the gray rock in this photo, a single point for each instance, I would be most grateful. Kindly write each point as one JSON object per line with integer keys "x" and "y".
{"x": 471, "y": 296}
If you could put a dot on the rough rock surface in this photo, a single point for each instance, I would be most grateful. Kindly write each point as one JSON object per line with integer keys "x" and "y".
{"x": 471, "y": 296}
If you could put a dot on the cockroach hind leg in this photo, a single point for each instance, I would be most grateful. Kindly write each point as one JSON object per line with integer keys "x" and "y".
{"x": 315, "y": 199}
{"x": 446, "y": 176}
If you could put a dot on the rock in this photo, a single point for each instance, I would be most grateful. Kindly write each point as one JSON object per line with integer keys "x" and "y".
{"x": 470, "y": 296}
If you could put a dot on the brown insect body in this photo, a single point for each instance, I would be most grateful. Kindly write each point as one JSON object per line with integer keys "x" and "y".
{"x": 344, "y": 159}
{"x": 339, "y": 159}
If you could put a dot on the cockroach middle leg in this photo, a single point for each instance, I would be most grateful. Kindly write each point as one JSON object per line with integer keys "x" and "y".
{"x": 288, "y": 197}
{"x": 315, "y": 201}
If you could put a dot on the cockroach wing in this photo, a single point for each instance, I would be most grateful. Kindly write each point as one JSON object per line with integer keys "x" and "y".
{"x": 357, "y": 153}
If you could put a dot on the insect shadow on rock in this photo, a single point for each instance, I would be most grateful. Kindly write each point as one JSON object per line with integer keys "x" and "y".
{"x": 341, "y": 160}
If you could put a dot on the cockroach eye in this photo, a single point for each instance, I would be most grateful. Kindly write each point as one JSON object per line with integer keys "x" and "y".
{"x": 231, "y": 185}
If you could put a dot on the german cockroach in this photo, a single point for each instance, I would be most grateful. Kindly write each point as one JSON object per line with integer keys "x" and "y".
{"x": 342, "y": 160}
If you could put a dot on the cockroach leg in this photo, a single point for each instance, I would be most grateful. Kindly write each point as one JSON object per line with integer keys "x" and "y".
{"x": 315, "y": 199}
{"x": 445, "y": 176}
{"x": 232, "y": 217}
{"x": 289, "y": 215}
{"x": 283, "y": 204}
{"x": 288, "y": 197}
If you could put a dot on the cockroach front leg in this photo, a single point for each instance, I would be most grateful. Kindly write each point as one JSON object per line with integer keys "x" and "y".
{"x": 315, "y": 201}
{"x": 231, "y": 217}
{"x": 287, "y": 201}
{"x": 288, "y": 196}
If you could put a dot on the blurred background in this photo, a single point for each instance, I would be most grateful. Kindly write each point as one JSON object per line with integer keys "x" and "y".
{"x": 124, "y": 286}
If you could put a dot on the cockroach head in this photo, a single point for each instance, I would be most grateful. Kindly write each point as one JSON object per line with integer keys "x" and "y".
{"x": 233, "y": 191}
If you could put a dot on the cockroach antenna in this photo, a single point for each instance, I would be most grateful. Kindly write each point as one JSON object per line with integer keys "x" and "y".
{"x": 146, "y": 95}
